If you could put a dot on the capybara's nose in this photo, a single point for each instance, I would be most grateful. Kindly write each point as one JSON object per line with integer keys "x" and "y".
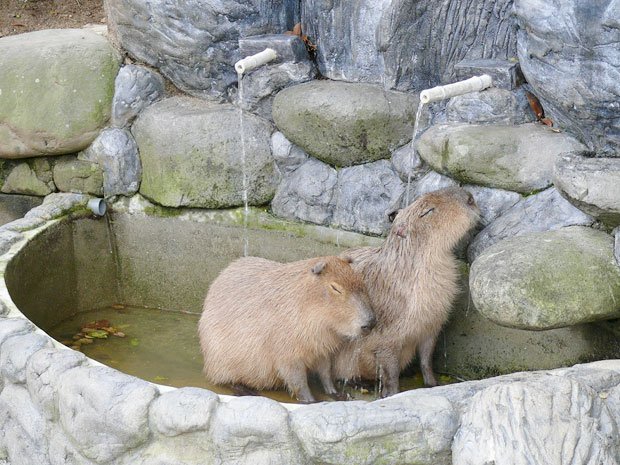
{"x": 369, "y": 325}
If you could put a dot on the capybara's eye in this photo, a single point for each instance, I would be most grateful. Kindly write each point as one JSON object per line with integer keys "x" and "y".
{"x": 430, "y": 210}
{"x": 335, "y": 288}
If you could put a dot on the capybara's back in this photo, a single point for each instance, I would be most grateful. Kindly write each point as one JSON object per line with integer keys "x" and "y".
{"x": 264, "y": 321}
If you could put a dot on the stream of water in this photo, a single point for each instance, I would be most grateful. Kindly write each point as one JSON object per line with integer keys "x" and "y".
{"x": 244, "y": 174}
{"x": 416, "y": 124}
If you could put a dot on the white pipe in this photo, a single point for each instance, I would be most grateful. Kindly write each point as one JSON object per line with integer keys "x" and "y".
{"x": 474, "y": 84}
{"x": 97, "y": 206}
{"x": 254, "y": 61}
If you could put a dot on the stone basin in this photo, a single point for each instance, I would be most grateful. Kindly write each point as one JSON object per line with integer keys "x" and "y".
{"x": 67, "y": 408}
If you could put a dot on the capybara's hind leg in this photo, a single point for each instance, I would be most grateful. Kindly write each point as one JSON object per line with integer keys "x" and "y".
{"x": 389, "y": 371}
{"x": 425, "y": 352}
{"x": 296, "y": 379}
{"x": 243, "y": 390}
{"x": 324, "y": 369}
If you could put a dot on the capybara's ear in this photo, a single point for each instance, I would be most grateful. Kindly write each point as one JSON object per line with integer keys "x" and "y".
{"x": 318, "y": 268}
{"x": 392, "y": 215}
{"x": 347, "y": 258}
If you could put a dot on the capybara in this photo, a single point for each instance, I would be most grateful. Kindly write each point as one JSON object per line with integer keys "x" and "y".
{"x": 265, "y": 324}
{"x": 412, "y": 280}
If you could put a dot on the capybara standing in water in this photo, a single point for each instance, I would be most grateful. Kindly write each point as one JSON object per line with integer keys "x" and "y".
{"x": 265, "y": 324}
{"x": 412, "y": 280}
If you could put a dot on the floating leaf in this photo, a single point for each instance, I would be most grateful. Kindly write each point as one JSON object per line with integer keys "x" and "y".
{"x": 134, "y": 342}
{"x": 119, "y": 334}
{"x": 85, "y": 341}
{"x": 98, "y": 334}
{"x": 157, "y": 379}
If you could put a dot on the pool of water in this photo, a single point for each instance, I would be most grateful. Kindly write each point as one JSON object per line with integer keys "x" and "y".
{"x": 162, "y": 346}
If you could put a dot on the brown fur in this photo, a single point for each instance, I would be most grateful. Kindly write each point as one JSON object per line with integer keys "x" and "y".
{"x": 266, "y": 323}
{"x": 412, "y": 282}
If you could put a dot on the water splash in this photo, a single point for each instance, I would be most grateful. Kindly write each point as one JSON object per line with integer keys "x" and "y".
{"x": 416, "y": 124}
{"x": 244, "y": 175}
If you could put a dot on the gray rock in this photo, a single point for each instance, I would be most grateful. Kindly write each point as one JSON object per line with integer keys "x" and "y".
{"x": 10, "y": 327}
{"x": 551, "y": 421}
{"x": 259, "y": 87}
{"x": 517, "y": 158}
{"x": 195, "y": 43}
{"x": 288, "y": 156}
{"x": 405, "y": 46}
{"x": 116, "y": 151}
{"x": 15, "y": 353}
{"x": 51, "y": 109}
{"x": 135, "y": 88}
{"x": 253, "y": 430}
{"x": 365, "y": 196}
{"x": 570, "y": 58}
{"x": 408, "y": 164}
{"x": 79, "y": 176}
{"x": 23, "y": 430}
{"x": 62, "y": 452}
{"x": 183, "y": 411}
{"x": 505, "y": 74}
{"x": 43, "y": 372}
{"x": 408, "y": 428}
{"x": 547, "y": 280}
{"x": 22, "y": 224}
{"x": 4, "y": 310}
{"x": 288, "y": 47}
{"x": 498, "y": 106}
{"x": 345, "y": 123}
{"x": 29, "y": 178}
{"x": 57, "y": 205}
{"x": 430, "y": 182}
{"x": 7, "y": 239}
{"x": 307, "y": 193}
{"x": 198, "y": 161}
{"x": 591, "y": 184}
{"x": 616, "y": 233}
{"x": 492, "y": 202}
{"x": 544, "y": 211}
{"x": 104, "y": 412}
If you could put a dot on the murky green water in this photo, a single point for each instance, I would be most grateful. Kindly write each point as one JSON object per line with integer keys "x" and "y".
{"x": 162, "y": 347}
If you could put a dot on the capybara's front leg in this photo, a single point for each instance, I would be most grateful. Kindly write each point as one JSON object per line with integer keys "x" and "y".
{"x": 324, "y": 369}
{"x": 296, "y": 379}
{"x": 389, "y": 371}
{"x": 425, "y": 353}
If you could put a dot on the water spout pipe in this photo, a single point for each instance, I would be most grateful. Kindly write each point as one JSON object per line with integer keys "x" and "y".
{"x": 474, "y": 84}
{"x": 254, "y": 61}
{"x": 97, "y": 206}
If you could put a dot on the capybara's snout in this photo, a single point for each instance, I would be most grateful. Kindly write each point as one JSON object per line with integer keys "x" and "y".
{"x": 367, "y": 317}
{"x": 371, "y": 323}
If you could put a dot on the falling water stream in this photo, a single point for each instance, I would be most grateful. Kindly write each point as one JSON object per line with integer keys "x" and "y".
{"x": 416, "y": 124}
{"x": 244, "y": 175}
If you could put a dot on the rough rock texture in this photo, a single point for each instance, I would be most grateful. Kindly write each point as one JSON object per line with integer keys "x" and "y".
{"x": 408, "y": 164}
{"x": 492, "y": 202}
{"x": 545, "y": 211}
{"x": 56, "y": 88}
{"x": 404, "y": 44}
{"x": 345, "y": 123}
{"x": 288, "y": 156}
{"x": 56, "y": 205}
{"x": 591, "y": 184}
{"x": 506, "y": 74}
{"x": 569, "y": 54}
{"x": 517, "y": 158}
{"x": 135, "y": 88}
{"x": 7, "y": 239}
{"x": 307, "y": 193}
{"x": 15, "y": 354}
{"x": 548, "y": 280}
{"x": 498, "y": 106}
{"x": 104, "y": 412}
{"x": 401, "y": 429}
{"x": 195, "y": 43}
{"x": 182, "y": 411}
{"x": 191, "y": 153}
{"x": 79, "y": 176}
{"x": 31, "y": 177}
{"x": 365, "y": 196}
{"x": 116, "y": 152}
{"x": 616, "y": 234}
{"x": 573, "y": 425}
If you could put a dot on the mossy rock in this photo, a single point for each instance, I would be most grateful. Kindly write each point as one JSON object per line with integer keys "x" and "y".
{"x": 343, "y": 123}
{"x": 56, "y": 89}
{"x": 548, "y": 280}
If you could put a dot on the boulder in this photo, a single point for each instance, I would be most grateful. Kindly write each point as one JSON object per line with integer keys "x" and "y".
{"x": 195, "y": 43}
{"x": 32, "y": 177}
{"x": 616, "y": 234}
{"x": 548, "y": 280}
{"x": 56, "y": 89}
{"x": 408, "y": 164}
{"x": 135, "y": 88}
{"x": 569, "y": 55}
{"x": 344, "y": 124}
{"x": 192, "y": 155}
{"x": 365, "y": 196}
{"x": 494, "y": 105}
{"x": 492, "y": 202}
{"x": 517, "y": 158}
{"x": 73, "y": 175}
{"x": 288, "y": 156}
{"x": 544, "y": 211}
{"x": 404, "y": 45}
{"x": 591, "y": 184}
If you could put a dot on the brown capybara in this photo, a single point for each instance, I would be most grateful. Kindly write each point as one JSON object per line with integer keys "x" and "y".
{"x": 412, "y": 280}
{"x": 265, "y": 324}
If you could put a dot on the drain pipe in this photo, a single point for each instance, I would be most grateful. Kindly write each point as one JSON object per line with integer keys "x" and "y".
{"x": 474, "y": 84}
{"x": 254, "y": 61}
{"x": 97, "y": 206}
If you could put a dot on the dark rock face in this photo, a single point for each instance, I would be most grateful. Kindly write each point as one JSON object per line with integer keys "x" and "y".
{"x": 195, "y": 43}
{"x": 404, "y": 44}
{"x": 569, "y": 54}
